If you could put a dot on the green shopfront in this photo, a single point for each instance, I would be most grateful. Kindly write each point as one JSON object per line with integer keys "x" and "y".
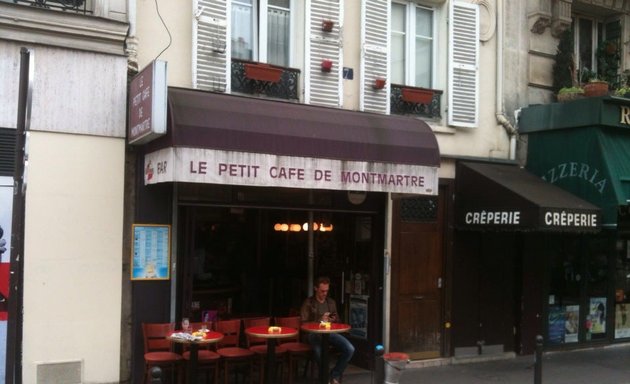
{"x": 583, "y": 146}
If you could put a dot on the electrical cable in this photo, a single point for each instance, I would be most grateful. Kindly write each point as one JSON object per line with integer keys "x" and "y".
{"x": 170, "y": 38}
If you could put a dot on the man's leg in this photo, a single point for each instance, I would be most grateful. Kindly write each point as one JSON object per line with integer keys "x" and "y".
{"x": 346, "y": 350}
{"x": 315, "y": 341}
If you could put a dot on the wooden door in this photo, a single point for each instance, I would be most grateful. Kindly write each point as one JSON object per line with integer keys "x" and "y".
{"x": 416, "y": 276}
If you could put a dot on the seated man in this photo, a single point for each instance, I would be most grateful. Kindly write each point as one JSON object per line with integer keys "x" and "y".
{"x": 320, "y": 307}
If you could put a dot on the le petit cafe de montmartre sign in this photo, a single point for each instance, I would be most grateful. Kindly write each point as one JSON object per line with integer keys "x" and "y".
{"x": 199, "y": 165}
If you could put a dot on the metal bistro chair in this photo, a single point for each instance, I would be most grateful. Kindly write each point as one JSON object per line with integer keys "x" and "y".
{"x": 157, "y": 350}
{"x": 296, "y": 349}
{"x": 207, "y": 357}
{"x": 259, "y": 345}
{"x": 232, "y": 355}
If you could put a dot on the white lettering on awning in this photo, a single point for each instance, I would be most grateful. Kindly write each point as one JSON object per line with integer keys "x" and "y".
{"x": 198, "y": 165}
{"x": 570, "y": 219}
{"x": 484, "y": 217}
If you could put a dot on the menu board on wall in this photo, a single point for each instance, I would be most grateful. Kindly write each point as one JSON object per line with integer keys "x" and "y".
{"x": 622, "y": 321}
{"x": 150, "y": 258}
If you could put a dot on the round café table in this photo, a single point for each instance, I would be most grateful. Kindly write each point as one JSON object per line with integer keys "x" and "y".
{"x": 325, "y": 332}
{"x": 193, "y": 346}
{"x": 263, "y": 332}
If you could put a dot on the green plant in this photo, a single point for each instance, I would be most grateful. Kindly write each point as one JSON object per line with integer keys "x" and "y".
{"x": 564, "y": 73}
{"x": 608, "y": 59}
{"x": 622, "y": 91}
{"x": 566, "y": 90}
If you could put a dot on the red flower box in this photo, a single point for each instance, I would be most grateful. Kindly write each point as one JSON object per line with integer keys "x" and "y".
{"x": 327, "y": 65}
{"x": 378, "y": 83}
{"x": 417, "y": 95}
{"x": 263, "y": 72}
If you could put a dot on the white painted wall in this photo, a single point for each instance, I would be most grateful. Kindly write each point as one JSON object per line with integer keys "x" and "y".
{"x": 73, "y": 242}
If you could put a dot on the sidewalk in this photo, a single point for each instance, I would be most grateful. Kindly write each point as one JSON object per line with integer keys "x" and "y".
{"x": 601, "y": 365}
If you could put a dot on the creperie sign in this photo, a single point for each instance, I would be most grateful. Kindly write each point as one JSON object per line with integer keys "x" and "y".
{"x": 551, "y": 219}
{"x": 256, "y": 169}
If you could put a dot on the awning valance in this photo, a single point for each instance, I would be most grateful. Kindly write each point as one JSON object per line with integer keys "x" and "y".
{"x": 492, "y": 196}
{"x": 226, "y": 139}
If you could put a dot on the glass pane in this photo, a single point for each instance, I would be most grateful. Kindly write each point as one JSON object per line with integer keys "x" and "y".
{"x": 278, "y": 37}
{"x": 424, "y": 22}
{"x": 398, "y": 26}
{"x": 242, "y": 32}
{"x": 280, "y": 3}
{"x": 585, "y": 47}
{"x": 424, "y": 60}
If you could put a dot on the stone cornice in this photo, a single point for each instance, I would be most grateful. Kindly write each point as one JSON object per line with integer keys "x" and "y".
{"x": 62, "y": 29}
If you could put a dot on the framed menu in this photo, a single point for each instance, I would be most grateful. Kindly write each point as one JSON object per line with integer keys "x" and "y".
{"x": 151, "y": 252}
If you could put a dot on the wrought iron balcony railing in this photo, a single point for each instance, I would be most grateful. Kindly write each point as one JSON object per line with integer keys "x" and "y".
{"x": 279, "y": 82}
{"x": 78, "y": 6}
{"x": 424, "y": 102}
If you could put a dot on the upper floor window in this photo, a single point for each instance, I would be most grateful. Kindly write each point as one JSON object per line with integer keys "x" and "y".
{"x": 412, "y": 44}
{"x": 596, "y": 45}
{"x": 261, "y": 30}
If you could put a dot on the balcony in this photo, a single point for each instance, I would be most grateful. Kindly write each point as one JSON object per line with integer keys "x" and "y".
{"x": 422, "y": 102}
{"x": 77, "y": 6}
{"x": 264, "y": 79}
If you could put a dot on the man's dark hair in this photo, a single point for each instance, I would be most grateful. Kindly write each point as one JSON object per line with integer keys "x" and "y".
{"x": 322, "y": 280}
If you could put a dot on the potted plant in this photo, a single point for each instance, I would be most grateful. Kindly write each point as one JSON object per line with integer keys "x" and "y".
{"x": 379, "y": 83}
{"x": 623, "y": 91}
{"x": 327, "y": 65}
{"x": 327, "y": 25}
{"x": 416, "y": 95}
{"x": 570, "y": 93}
{"x": 262, "y": 72}
{"x": 564, "y": 68}
{"x": 593, "y": 84}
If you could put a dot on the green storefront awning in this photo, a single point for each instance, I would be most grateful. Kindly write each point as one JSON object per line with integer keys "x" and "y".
{"x": 584, "y": 148}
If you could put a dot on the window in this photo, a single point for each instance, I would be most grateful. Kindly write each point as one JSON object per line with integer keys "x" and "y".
{"x": 591, "y": 37}
{"x": 261, "y": 30}
{"x": 412, "y": 45}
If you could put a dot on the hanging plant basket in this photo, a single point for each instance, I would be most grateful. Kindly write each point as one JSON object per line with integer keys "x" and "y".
{"x": 263, "y": 72}
{"x": 327, "y": 65}
{"x": 327, "y": 25}
{"x": 416, "y": 95}
{"x": 595, "y": 88}
{"x": 379, "y": 83}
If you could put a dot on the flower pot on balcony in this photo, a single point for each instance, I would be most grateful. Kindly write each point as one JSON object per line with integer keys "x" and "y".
{"x": 263, "y": 72}
{"x": 327, "y": 25}
{"x": 327, "y": 65}
{"x": 416, "y": 95}
{"x": 379, "y": 83}
{"x": 595, "y": 88}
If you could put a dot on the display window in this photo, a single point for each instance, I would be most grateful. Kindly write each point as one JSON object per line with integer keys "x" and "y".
{"x": 622, "y": 289}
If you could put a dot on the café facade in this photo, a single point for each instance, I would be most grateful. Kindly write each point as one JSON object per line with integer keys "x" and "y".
{"x": 262, "y": 196}
{"x": 583, "y": 147}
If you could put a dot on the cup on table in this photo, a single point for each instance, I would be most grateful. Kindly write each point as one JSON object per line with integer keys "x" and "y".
{"x": 186, "y": 325}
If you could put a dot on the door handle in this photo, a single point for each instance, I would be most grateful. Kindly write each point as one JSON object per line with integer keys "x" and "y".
{"x": 419, "y": 297}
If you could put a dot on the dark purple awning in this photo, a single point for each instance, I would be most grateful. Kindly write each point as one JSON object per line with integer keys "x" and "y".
{"x": 198, "y": 119}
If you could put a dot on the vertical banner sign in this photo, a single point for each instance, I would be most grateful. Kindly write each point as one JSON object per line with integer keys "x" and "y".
{"x": 147, "y": 104}
{"x": 6, "y": 205}
{"x": 150, "y": 258}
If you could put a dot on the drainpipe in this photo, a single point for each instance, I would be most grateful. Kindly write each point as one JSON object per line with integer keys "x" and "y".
{"x": 501, "y": 119}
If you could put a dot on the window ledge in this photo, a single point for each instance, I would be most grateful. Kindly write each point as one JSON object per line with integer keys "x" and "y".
{"x": 67, "y": 30}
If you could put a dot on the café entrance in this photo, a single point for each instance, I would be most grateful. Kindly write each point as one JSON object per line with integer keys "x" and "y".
{"x": 252, "y": 259}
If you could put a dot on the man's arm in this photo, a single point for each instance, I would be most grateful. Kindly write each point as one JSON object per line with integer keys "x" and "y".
{"x": 305, "y": 311}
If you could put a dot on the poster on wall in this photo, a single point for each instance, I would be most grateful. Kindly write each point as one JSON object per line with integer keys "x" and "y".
{"x": 6, "y": 215}
{"x": 571, "y": 323}
{"x": 150, "y": 252}
{"x": 596, "y": 319}
{"x": 622, "y": 322}
{"x": 556, "y": 324}
{"x": 359, "y": 315}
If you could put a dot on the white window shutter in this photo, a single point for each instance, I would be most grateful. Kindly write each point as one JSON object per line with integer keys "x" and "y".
{"x": 324, "y": 88}
{"x": 210, "y": 45}
{"x": 374, "y": 55}
{"x": 463, "y": 95}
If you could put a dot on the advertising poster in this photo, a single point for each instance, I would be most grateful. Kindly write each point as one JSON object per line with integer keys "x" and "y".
{"x": 597, "y": 315}
{"x": 622, "y": 322}
{"x": 359, "y": 315}
{"x": 151, "y": 252}
{"x": 571, "y": 323}
{"x": 556, "y": 324}
{"x": 6, "y": 212}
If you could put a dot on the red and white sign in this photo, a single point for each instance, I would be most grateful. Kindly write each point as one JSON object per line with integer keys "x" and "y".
{"x": 197, "y": 165}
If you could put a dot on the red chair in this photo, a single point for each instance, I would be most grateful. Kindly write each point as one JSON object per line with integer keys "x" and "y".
{"x": 259, "y": 345}
{"x": 207, "y": 357}
{"x": 296, "y": 349}
{"x": 232, "y": 355}
{"x": 158, "y": 352}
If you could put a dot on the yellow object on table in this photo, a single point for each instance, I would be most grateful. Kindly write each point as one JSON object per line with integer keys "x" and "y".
{"x": 324, "y": 324}
{"x": 274, "y": 330}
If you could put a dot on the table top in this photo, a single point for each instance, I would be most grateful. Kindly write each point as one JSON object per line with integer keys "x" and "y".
{"x": 271, "y": 332}
{"x": 210, "y": 337}
{"x": 318, "y": 328}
